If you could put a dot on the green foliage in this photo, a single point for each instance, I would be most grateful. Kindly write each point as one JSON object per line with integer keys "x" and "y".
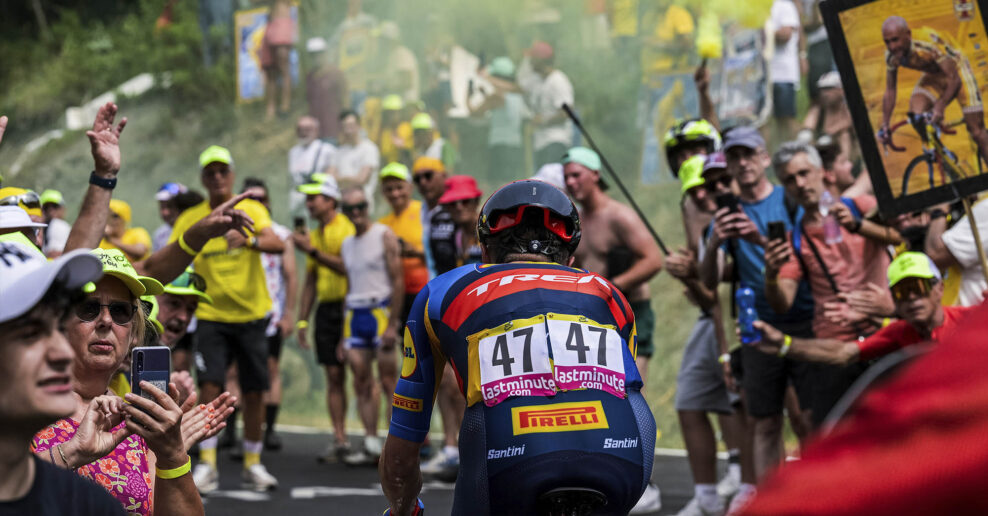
{"x": 89, "y": 57}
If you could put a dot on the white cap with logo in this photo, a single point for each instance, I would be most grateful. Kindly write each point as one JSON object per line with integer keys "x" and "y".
{"x": 25, "y": 275}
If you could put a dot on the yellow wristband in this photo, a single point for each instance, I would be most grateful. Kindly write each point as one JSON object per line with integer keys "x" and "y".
{"x": 252, "y": 242}
{"x": 185, "y": 247}
{"x": 168, "y": 474}
{"x": 302, "y": 324}
{"x": 724, "y": 358}
{"x": 786, "y": 344}
{"x": 886, "y": 321}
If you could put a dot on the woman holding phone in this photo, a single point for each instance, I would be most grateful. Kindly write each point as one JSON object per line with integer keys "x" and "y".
{"x": 136, "y": 449}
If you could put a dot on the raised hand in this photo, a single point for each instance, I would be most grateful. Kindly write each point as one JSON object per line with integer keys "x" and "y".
{"x": 223, "y": 218}
{"x": 777, "y": 253}
{"x": 104, "y": 140}
{"x": 681, "y": 264}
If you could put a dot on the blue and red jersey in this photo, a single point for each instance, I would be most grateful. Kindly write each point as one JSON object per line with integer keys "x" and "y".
{"x": 519, "y": 330}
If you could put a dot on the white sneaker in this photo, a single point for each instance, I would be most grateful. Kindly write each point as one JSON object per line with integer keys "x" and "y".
{"x": 651, "y": 500}
{"x": 359, "y": 458}
{"x": 440, "y": 463}
{"x": 257, "y": 478}
{"x": 373, "y": 445}
{"x": 206, "y": 478}
{"x": 694, "y": 509}
{"x": 740, "y": 501}
{"x": 729, "y": 485}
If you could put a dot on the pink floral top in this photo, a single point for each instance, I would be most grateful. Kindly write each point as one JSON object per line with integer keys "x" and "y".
{"x": 124, "y": 472}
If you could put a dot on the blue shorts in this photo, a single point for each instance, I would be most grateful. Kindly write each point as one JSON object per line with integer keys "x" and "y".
{"x": 784, "y": 99}
{"x": 514, "y": 452}
{"x": 363, "y": 327}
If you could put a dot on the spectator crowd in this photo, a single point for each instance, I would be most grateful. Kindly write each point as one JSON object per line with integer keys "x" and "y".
{"x": 836, "y": 285}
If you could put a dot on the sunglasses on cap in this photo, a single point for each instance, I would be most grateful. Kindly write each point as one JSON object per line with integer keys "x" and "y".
{"x": 552, "y": 222}
{"x": 121, "y": 312}
{"x": 30, "y": 200}
{"x": 423, "y": 176}
{"x": 902, "y": 290}
{"x": 354, "y": 208}
{"x": 190, "y": 278}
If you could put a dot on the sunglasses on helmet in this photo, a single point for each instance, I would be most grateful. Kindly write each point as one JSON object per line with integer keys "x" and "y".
{"x": 30, "y": 200}
{"x": 188, "y": 278}
{"x": 552, "y": 222}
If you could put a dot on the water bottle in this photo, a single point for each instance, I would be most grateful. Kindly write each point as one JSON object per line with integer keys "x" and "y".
{"x": 831, "y": 228}
{"x": 747, "y": 315}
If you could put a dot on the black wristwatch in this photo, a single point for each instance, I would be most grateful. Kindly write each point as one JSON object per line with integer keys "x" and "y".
{"x": 313, "y": 252}
{"x": 936, "y": 213}
{"x": 102, "y": 182}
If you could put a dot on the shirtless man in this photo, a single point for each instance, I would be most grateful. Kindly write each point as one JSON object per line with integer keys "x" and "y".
{"x": 946, "y": 76}
{"x": 616, "y": 243}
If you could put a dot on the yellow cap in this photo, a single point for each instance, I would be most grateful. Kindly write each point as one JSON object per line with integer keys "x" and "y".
{"x": 116, "y": 264}
{"x": 152, "y": 314}
{"x": 392, "y": 103}
{"x": 422, "y": 121}
{"x": 395, "y": 170}
{"x": 214, "y": 154}
{"x": 691, "y": 173}
{"x": 427, "y": 163}
{"x": 121, "y": 209}
{"x": 912, "y": 265}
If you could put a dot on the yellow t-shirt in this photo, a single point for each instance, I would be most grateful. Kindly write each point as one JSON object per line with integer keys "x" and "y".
{"x": 408, "y": 227}
{"x": 234, "y": 277}
{"x": 132, "y": 236}
{"x": 330, "y": 285}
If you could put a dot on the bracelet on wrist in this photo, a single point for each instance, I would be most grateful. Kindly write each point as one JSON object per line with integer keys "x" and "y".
{"x": 313, "y": 252}
{"x": 301, "y": 325}
{"x": 102, "y": 182}
{"x": 856, "y": 227}
{"x": 724, "y": 358}
{"x": 786, "y": 344}
{"x": 937, "y": 213}
{"x": 185, "y": 246}
{"x": 62, "y": 455}
{"x": 168, "y": 474}
{"x": 252, "y": 242}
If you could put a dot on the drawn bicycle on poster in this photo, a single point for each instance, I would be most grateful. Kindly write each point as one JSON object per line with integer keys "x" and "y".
{"x": 935, "y": 154}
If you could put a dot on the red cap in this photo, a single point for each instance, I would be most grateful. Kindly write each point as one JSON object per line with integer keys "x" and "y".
{"x": 459, "y": 188}
{"x": 541, "y": 50}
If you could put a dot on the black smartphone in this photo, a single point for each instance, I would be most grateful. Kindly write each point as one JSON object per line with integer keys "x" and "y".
{"x": 776, "y": 230}
{"x": 299, "y": 224}
{"x": 151, "y": 364}
{"x": 727, "y": 200}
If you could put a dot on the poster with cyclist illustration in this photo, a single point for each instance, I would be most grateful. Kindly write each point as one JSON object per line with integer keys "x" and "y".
{"x": 915, "y": 75}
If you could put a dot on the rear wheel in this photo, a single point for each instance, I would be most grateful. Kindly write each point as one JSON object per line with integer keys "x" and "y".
{"x": 916, "y": 162}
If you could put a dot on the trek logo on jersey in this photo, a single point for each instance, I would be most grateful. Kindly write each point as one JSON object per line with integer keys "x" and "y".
{"x": 558, "y": 417}
{"x": 503, "y": 453}
{"x": 403, "y": 402}
{"x": 548, "y": 278}
{"x": 627, "y": 442}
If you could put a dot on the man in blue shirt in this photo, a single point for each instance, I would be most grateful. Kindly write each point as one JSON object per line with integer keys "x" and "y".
{"x": 739, "y": 231}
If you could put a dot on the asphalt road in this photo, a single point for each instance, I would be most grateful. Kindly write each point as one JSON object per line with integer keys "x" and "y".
{"x": 308, "y": 487}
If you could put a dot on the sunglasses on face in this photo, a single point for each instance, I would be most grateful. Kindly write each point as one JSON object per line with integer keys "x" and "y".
{"x": 121, "y": 312}
{"x": 905, "y": 288}
{"x": 711, "y": 184}
{"x": 354, "y": 208}
{"x": 552, "y": 222}
{"x": 463, "y": 203}
{"x": 190, "y": 278}
{"x": 30, "y": 200}
{"x": 424, "y": 176}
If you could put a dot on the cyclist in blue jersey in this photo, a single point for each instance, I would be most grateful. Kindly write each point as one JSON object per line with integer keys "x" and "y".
{"x": 544, "y": 355}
